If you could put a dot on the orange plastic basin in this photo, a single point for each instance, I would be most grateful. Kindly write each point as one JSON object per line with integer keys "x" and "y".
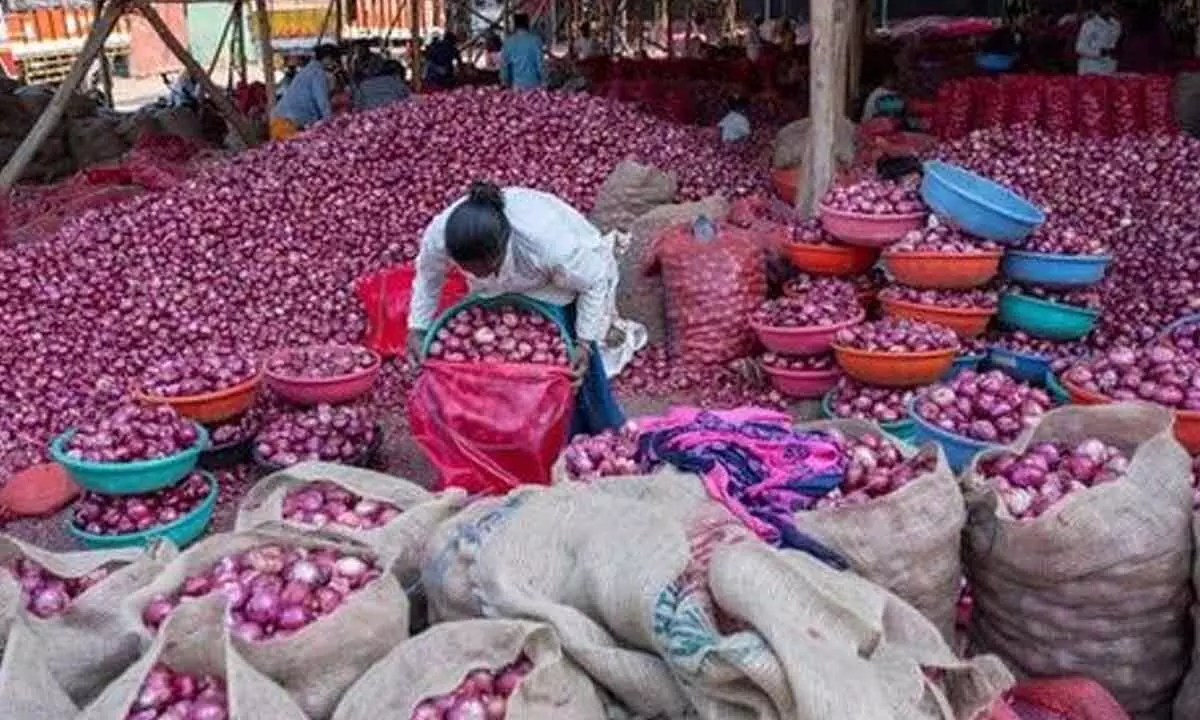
{"x": 943, "y": 271}
{"x": 838, "y": 260}
{"x": 1082, "y": 396}
{"x": 967, "y": 322}
{"x": 785, "y": 181}
{"x": 1187, "y": 422}
{"x": 894, "y": 369}
{"x": 211, "y": 407}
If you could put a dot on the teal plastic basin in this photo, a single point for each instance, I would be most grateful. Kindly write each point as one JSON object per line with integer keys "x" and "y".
{"x": 958, "y": 448}
{"x": 1057, "y": 392}
{"x": 182, "y": 532}
{"x": 1044, "y": 318}
{"x": 901, "y": 429}
{"x": 129, "y": 478}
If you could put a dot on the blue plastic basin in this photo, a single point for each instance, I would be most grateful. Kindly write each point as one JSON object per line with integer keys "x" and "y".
{"x": 977, "y": 205}
{"x": 901, "y": 429}
{"x": 128, "y": 478}
{"x": 182, "y": 532}
{"x": 994, "y": 62}
{"x": 959, "y": 450}
{"x": 964, "y": 362}
{"x": 1023, "y": 366}
{"x": 1044, "y": 318}
{"x": 1052, "y": 270}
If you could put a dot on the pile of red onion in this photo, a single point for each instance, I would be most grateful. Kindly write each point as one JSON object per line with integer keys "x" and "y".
{"x": 324, "y": 502}
{"x": 953, "y": 299}
{"x": 131, "y": 433}
{"x": 873, "y": 197}
{"x": 198, "y": 374}
{"x": 941, "y": 239}
{"x": 1186, "y": 338}
{"x": 810, "y": 310}
{"x": 854, "y": 400}
{"x": 612, "y": 452}
{"x": 507, "y": 334}
{"x": 973, "y": 346}
{"x": 1084, "y": 297}
{"x": 272, "y": 590}
{"x": 239, "y": 429}
{"x": 321, "y": 361}
{"x": 810, "y": 363}
{"x": 482, "y": 695}
{"x": 990, "y": 407}
{"x": 1059, "y": 238}
{"x": 876, "y": 468}
{"x": 898, "y": 335}
{"x": 829, "y": 289}
{"x": 334, "y": 433}
{"x": 125, "y": 514}
{"x": 46, "y": 594}
{"x": 170, "y": 694}
{"x": 1031, "y": 482}
{"x": 1157, "y": 373}
{"x": 810, "y": 232}
{"x": 1060, "y": 354}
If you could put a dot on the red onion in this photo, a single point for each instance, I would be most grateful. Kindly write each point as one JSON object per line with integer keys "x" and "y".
{"x": 940, "y": 239}
{"x": 334, "y": 433}
{"x": 170, "y": 694}
{"x": 990, "y": 407}
{"x": 610, "y": 453}
{"x": 852, "y": 399}
{"x": 830, "y": 289}
{"x": 47, "y": 594}
{"x": 954, "y": 299}
{"x": 808, "y": 311}
{"x": 810, "y": 232}
{"x": 898, "y": 335}
{"x": 738, "y": 383}
{"x": 1060, "y": 355}
{"x": 124, "y": 514}
{"x": 507, "y": 334}
{"x": 973, "y": 346}
{"x": 131, "y": 433}
{"x": 798, "y": 362}
{"x": 1059, "y": 238}
{"x": 874, "y": 197}
{"x": 876, "y": 468}
{"x": 198, "y": 374}
{"x": 1158, "y": 374}
{"x": 1031, "y": 482}
{"x": 482, "y": 695}
{"x": 1186, "y": 338}
{"x": 239, "y": 429}
{"x": 324, "y": 502}
{"x": 1084, "y": 297}
{"x": 321, "y": 361}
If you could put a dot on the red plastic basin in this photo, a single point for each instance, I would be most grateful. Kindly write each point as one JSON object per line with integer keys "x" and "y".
{"x": 869, "y": 230}
{"x": 802, "y": 383}
{"x": 811, "y": 340}
{"x": 330, "y": 390}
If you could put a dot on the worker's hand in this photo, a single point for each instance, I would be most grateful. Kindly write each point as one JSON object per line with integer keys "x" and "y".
{"x": 579, "y": 365}
{"x": 416, "y": 338}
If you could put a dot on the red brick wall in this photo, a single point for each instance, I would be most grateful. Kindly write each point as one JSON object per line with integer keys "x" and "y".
{"x": 147, "y": 54}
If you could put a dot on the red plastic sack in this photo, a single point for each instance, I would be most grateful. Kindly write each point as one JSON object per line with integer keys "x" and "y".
{"x": 491, "y": 427}
{"x": 385, "y": 296}
{"x": 954, "y": 116}
{"x": 1127, "y": 97}
{"x": 1092, "y": 107}
{"x": 1157, "y": 101}
{"x": 1067, "y": 698}
{"x": 36, "y": 491}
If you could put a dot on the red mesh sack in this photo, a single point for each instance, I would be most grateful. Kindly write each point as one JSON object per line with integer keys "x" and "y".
{"x": 954, "y": 116}
{"x": 1068, "y": 698}
{"x": 1022, "y": 99}
{"x": 491, "y": 427}
{"x": 713, "y": 278}
{"x": 990, "y": 99}
{"x": 1157, "y": 101}
{"x": 1127, "y": 99}
{"x": 1091, "y": 106}
{"x": 1059, "y": 101}
{"x": 385, "y": 296}
{"x": 36, "y": 491}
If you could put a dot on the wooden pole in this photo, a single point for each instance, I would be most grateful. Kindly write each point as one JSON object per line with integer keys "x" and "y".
{"x": 265, "y": 50}
{"x": 842, "y": 23}
{"x": 240, "y": 40}
{"x": 220, "y": 99}
{"x": 105, "y": 71}
{"x": 337, "y": 21}
{"x": 823, "y": 51}
{"x": 666, "y": 23}
{"x": 860, "y": 22}
{"x": 212, "y": 66}
{"x": 45, "y": 124}
{"x": 415, "y": 40}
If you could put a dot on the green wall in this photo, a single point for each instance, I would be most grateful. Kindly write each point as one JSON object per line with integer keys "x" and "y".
{"x": 205, "y": 21}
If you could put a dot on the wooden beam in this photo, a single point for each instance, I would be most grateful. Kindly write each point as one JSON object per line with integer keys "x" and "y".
{"x": 266, "y": 51}
{"x": 338, "y": 22}
{"x": 45, "y": 124}
{"x": 415, "y": 41}
{"x": 212, "y": 66}
{"x": 823, "y": 73}
{"x": 105, "y": 70}
{"x": 219, "y": 98}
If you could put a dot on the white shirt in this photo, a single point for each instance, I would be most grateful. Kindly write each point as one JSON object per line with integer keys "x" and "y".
{"x": 1097, "y": 36}
{"x": 585, "y": 48}
{"x": 734, "y": 127}
{"x": 554, "y": 255}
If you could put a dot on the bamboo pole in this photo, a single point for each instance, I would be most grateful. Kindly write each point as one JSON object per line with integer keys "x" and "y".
{"x": 823, "y": 51}
{"x": 240, "y": 41}
{"x": 267, "y": 53}
{"x": 212, "y": 66}
{"x": 45, "y": 124}
{"x": 105, "y": 70}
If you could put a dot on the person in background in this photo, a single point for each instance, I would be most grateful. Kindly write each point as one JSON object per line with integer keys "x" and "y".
{"x": 754, "y": 40}
{"x": 442, "y": 59}
{"x": 1147, "y": 46}
{"x": 1097, "y": 39}
{"x": 735, "y": 126}
{"x": 905, "y": 170}
{"x": 380, "y": 83}
{"x": 521, "y": 57}
{"x": 530, "y": 243}
{"x": 184, "y": 91}
{"x": 585, "y": 45}
{"x": 884, "y": 101}
{"x": 306, "y": 100}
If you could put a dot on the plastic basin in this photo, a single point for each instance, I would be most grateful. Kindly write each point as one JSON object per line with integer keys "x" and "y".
{"x": 967, "y": 322}
{"x": 964, "y": 362}
{"x": 811, "y": 340}
{"x": 785, "y": 180}
{"x": 838, "y": 260}
{"x": 900, "y": 429}
{"x": 363, "y": 459}
{"x": 1046, "y": 319}
{"x": 1187, "y": 422}
{"x": 994, "y": 62}
{"x": 874, "y": 231}
{"x": 802, "y": 383}
{"x": 328, "y": 390}
{"x": 128, "y": 478}
{"x": 943, "y": 271}
{"x": 978, "y": 205}
{"x": 894, "y": 369}
{"x": 1082, "y": 396}
{"x": 1058, "y": 393}
{"x": 182, "y": 532}
{"x": 958, "y": 448}
{"x": 1052, "y": 270}
{"x": 1023, "y": 366}
{"x": 213, "y": 407}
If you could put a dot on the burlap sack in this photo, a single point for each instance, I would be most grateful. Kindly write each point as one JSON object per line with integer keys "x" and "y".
{"x": 674, "y": 604}
{"x": 792, "y": 146}
{"x": 89, "y": 644}
{"x": 27, "y": 687}
{"x": 1186, "y": 102}
{"x": 1099, "y": 585}
{"x": 630, "y": 190}
{"x": 179, "y": 121}
{"x": 436, "y": 661}
{"x": 94, "y": 140}
{"x": 923, "y": 568}
{"x": 194, "y": 640}
{"x": 398, "y": 544}
{"x": 317, "y": 663}
{"x": 1187, "y": 702}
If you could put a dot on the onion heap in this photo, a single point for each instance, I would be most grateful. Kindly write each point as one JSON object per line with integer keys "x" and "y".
{"x": 810, "y": 232}
{"x": 1088, "y": 298}
{"x": 807, "y": 311}
{"x": 953, "y": 299}
{"x": 124, "y": 514}
{"x": 990, "y": 406}
{"x": 973, "y": 346}
{"x": 46, "y": 594}
{"x": 876, "y": 468}
{"x": 323, "y": 502}
{"x": 1058, "y": 238}
{"x": 1059, "y": 354}
{"x": 609, "y": 453}
{"x": 272, "y": 590}
{"x": 854, "y": 400}
{"x": 874, "y": 197}
{"x": 333, "y": 433}
{"x": 941, "y": 239}
{"x": 133, "y": 433}
{"x": 1031, "y": 482}
{"x": 239, "y": 429}
{"x": 198, "y": 374}
{"x": 482, "y": 695}
{"x": 808, "y": 363}
{"x": 1158, "y": 374}
{"x": 170, "y": 694}
{"x": 829, "y": 289}
{"x": 898, "y": 335}
{"x": 507, "y": 334}
{"x": 1186, "y": 338}
{"x": 321, "y": 361}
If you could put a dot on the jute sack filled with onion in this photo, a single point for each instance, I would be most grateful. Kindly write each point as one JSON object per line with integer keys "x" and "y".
{"x": 193, "y": 671}
{"x": 27, "y": 687}
{"x": 925, "y": 510}
{"x": 314, "y": 649}
{"x": 1187, "y": 702}
{"x": 1097, "y": 583}
{"x": 71, "y": 602}
{"x": 455, "y": 670}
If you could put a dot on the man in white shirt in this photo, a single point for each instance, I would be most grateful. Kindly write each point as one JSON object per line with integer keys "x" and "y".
{"x": 1097, "y": 39}
{"x": 585, "y": 44}
{"x": 735, "y": 126}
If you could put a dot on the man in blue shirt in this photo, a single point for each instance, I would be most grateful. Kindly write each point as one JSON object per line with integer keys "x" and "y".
{"x": 306, "y": 99}
{"x": 521, "y": 57}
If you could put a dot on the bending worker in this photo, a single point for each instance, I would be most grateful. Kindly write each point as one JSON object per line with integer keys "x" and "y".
{"x": 521, "y": 57}
{"x": 306, "y": 100}
{"x": 531, "y": 243}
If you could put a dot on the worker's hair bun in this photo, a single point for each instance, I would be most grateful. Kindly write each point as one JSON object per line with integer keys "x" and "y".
{"x": 485, "y": 193}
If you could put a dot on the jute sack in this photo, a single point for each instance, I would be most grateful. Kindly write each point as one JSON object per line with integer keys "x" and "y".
{"x": 1186, "y": 101}
{"x": 318, "y": 662}
{"x": 630, "y": 190}
{"x": 398, "y": 543}
{"x": 436, "y": 661}
{"x": 27, "y": 687}
{"x": 1099, "y": 585}
{"x": 194, "y": 640}
{"x": 793, "y": 143}
{"x": 1187, "y": 702}
{"x": 924, "y": 568}
{"x": 88, "y": 644}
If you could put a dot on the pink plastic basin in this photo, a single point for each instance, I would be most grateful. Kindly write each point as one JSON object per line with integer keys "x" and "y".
{"x": 869, "y": 230}
{"x": 330, "y": 390}
{"x": 802, "y": 383}
{"x": 812, "y": 340}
